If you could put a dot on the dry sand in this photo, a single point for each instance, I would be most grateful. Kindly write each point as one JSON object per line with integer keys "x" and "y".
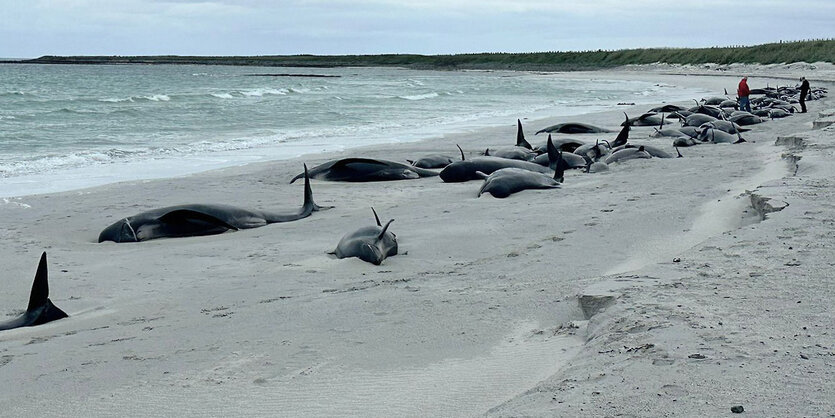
{"x": 561, "y": 302}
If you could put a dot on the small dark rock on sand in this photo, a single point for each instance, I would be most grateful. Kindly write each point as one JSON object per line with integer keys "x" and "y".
{"x": 737, "y": 409}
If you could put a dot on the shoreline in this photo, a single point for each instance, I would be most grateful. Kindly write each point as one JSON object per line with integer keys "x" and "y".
{"x": 151, "y": 168}
{"x": 219, "y": 324}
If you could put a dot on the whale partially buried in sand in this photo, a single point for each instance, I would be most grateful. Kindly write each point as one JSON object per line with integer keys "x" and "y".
{"x": 193, "y": 220}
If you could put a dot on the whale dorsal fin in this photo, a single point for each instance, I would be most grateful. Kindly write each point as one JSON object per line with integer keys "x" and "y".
{"x": 553, "y": 153}
{"x": 623, "y": 136}
{"x": 462, "y": 152}
{"x": 555, "y": 157}
{"x": 385, "y": 228}
{"x": 40, "y": 287}
{"x": 487, "y": 152}
{"x": 520, "y": 136}
{"x": 308, "y": 194}
{"x": 377, "y": 218}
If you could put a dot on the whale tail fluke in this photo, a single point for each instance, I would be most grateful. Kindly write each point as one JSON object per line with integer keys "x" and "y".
{"x": 679, "y": 153}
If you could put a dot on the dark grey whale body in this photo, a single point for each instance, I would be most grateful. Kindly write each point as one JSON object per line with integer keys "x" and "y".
{"x": 193, "y": 220}
{"x": 573, "y": 128}
{"x": 506, "y": 181}
{"x": 371, "y": 244}
{"x": 40, "y": 309}
{"x": 467, "y": 170}
{"x": 365, "y": 169}
{"x": 432, "y": 161}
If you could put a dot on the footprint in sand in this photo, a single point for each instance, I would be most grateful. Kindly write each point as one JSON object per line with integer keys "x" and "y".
{"x": 5, "y": 360}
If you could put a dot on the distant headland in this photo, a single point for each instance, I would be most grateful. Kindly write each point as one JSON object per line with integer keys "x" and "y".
{"x": 771, "y": 53}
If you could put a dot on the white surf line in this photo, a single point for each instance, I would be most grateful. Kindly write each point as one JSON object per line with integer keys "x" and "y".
{"x": 715, "y": 217}
{"x": 451, "y": 387}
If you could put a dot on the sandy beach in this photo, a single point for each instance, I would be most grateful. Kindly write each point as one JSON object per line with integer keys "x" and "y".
{"x": 563, "y": 302}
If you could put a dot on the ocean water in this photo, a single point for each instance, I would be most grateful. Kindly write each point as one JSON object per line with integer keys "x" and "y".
{"x": 65, "y": 127}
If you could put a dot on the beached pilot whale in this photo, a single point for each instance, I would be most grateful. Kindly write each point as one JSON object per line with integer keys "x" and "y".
{"x": 365, "y": 169}
{"x": 193, "y": 220}
{"x": 40, "y": 310}
{"x": 466, "y": 170}
{"x": 507, "y": 181}
{"x": 573, "y": 128}
{"x": 371, "y": 244}
{"x": 522, "y": 151}
{"x": 432, "y": 161}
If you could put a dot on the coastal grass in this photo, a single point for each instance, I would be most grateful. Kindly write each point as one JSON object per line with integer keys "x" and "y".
{"x": 771, "y": 53}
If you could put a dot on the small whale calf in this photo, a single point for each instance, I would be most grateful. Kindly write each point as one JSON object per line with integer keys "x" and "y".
{"x": 40, "y": 309}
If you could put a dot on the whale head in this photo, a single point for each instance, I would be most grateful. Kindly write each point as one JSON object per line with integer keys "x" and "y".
{"x": 121, "y": 231}
{"x": 371, "y": 253}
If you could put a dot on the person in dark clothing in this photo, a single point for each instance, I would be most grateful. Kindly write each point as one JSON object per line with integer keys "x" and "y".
{"x": 804, "y": 91}
{"x": 743, "y": 91}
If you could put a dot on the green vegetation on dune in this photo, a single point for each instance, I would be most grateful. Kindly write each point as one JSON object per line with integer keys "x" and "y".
{"x": 774, "y": 53}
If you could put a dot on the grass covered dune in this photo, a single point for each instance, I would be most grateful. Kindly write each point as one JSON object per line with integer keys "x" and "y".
{"x": 773, "y": 53}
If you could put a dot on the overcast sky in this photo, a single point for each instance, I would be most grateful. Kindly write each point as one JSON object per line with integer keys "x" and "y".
{"x": 31, "y": 28}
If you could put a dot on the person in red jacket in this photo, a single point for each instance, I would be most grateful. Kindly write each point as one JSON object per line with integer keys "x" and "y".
{"x": 743, "y": 91}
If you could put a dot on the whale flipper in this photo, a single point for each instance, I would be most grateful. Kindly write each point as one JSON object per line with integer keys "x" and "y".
{"x": 40, "y": 309}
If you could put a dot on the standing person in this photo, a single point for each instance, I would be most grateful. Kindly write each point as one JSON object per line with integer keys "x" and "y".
{"x": 804, "y": 91}
{"x": 743, "y": 91}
